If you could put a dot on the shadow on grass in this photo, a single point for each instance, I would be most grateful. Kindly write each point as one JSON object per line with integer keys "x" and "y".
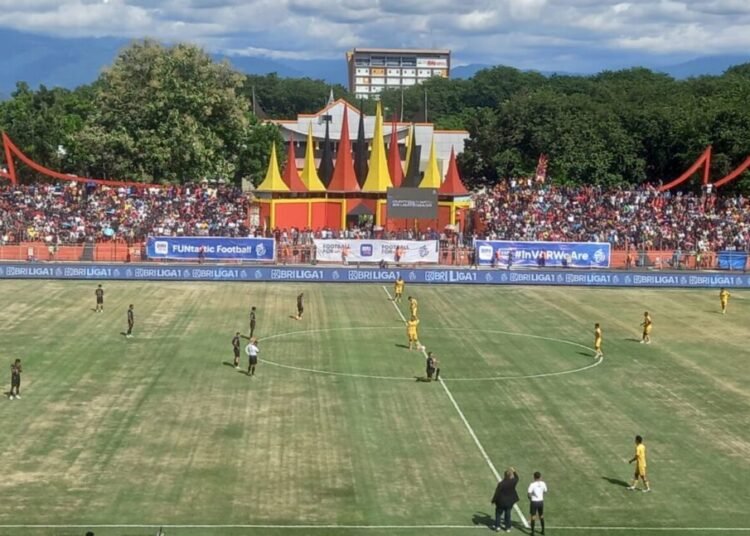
{"x": 616, "y": 482}
{"x": 631, "y": 339}
{"x": 587, "y": 354}
{"x": 483, "y": 518}
{"x": 227, "y": 363}
{"x": 401, "y": 346}
{"x": 123, "y": 334}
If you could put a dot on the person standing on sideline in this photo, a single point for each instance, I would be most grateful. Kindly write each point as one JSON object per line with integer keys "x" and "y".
{"x": 598, "y": 341}
{"x": 236, "y": 350}
{"x": 15, "y": 380}
{"x": 252, "y": 356}
{"x": 536, "y": 492}
{"x": 131, "y": 321}
{"x": 640, "y": 465}
{"x": 724, "y": 299}
{"x": 300, "y": 305}
{"x": 647, "y": 325}
{"x": 99, "y": 293}
{"x": 252, "y": 321}
{"x": 504, "y": 498}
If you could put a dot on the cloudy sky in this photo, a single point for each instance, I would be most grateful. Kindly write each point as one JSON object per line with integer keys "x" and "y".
{"x": 572, "y": 35}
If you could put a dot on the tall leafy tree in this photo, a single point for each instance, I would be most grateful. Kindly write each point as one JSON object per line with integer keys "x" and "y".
{"x": 169, "y": 114}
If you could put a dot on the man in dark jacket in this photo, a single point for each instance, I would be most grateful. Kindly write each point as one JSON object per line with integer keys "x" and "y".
{"x": 504, "y": 498}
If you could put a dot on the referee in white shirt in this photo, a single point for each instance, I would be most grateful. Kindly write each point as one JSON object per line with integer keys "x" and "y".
{"x": 536, "y": 492}
{"x": 252, "y": 354}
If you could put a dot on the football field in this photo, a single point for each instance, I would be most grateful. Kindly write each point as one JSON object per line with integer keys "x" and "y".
{"x": 335, "y": 435}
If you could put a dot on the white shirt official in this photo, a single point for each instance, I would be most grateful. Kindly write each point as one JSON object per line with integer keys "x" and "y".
{"x": 537, "y": 489}
{"x": 251, "y": 350}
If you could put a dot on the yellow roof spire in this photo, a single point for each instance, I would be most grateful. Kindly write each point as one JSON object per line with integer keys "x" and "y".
{"x": 378, "y": 177}
{"x": 273, "y": 181}
{"x": 432, "y": 177}
{"x": 409, "y": 142}
{"x": 309, "y": 174}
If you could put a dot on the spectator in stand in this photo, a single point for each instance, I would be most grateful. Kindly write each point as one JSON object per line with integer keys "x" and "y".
{"x": 642, "y": 218}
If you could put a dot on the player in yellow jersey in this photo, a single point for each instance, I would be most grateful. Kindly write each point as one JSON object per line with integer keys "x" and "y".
{"x": 398, "y": 289}
{"x": 411, "y": 333}
{"x": 413, "y": 307}
{"x": 598, "y": 341}
{"x": 640, "y": 465}
{"x": 647, "y": 325}
{"x": 724, "y": 298}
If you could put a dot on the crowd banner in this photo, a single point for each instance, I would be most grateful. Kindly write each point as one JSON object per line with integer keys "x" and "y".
{"x": 423, "y": 275}
{"x": 210, "y": 248}
{"x": 501, "y": 253}
{"x": 390, "y": 251}
{"x": 732, "y": 260}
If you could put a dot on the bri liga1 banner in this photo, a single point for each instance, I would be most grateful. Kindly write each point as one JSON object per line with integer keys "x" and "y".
{"x": 214, "y": 248}
{"x": 411, "y": 251}
{"x": 551, "y": 254}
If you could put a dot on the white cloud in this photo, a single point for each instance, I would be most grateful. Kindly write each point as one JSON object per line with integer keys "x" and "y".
{"x": 528, "y": 33}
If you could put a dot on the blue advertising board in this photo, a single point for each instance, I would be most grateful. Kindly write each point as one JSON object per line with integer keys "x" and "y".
{"x": 214, "y": 248}
{"x": 557, "y": 254}
{"x": 314, "y": 274}
{"x": 732, "y": 260}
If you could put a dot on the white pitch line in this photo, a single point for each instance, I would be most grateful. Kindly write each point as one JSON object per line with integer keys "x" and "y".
{"x": 463, "y": 418}
{"x": 363, "y": 527}
{"x": 401, "y": 378}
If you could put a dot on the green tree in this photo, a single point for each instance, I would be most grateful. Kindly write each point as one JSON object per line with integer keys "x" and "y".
{"x": 168, "y": 114}
{"x": 285, "y": 98}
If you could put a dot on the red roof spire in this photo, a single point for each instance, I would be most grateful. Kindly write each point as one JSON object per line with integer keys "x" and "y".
{"x": 344, "y": 179}
{"x": 291, "y": 175}
{"x": 452, "y": 185}
{"x": 394, "y": 158}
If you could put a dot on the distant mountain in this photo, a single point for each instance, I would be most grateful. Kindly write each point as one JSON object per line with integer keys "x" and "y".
{"x": 467, "y": 71}
{"x": 52, "y": 61}
{"x": 707, "y": 65}
{"x": 70, "y": 62}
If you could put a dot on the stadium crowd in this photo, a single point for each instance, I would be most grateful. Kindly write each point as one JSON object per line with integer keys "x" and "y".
{"x": 641, "y": 217}
{"x": 73, "y": 213}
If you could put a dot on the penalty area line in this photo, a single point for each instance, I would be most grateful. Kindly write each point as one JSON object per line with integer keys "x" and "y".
{"x": 463, "y": 418}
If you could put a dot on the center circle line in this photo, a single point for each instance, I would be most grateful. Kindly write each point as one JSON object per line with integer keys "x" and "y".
{"x": 597, "y": 362}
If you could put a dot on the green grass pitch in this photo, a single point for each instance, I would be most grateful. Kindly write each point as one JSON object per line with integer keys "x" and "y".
{"x": 159, "y": 430}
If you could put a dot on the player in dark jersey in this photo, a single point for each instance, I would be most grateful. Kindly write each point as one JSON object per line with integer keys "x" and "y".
{"x": 236, "y": 349}
{"x": 99, "y": 293}
{"x": 300, "y": 305}
{"x": 252, "y": 321}
{"x": 15, "y": 379}
{"x": 430, "y": 366}
{"x": 131, "y": 321}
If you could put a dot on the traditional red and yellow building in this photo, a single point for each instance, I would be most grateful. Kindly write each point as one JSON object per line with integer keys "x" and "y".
{"x": 341, "y": 196}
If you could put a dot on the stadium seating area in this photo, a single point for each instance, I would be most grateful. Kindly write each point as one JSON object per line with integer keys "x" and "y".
{"x": 642, "y": 217}
{"x": 71, "y": 213}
